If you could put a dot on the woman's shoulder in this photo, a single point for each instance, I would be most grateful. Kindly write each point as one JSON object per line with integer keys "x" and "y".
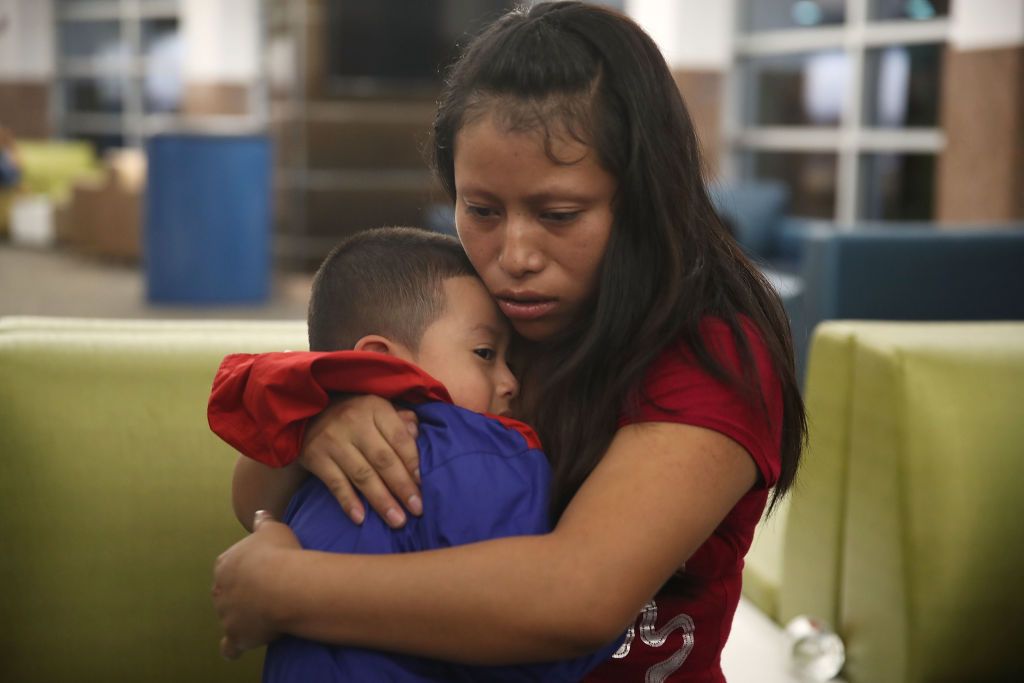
{"x": 723, "y": 343}
{"x": 742, "y": 400}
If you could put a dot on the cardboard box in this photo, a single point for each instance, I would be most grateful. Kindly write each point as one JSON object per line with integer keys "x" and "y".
{"x": 105, "y": 217}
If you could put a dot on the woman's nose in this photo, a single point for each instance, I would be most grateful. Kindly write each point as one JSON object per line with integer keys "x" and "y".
{"x": 520, "y": 251}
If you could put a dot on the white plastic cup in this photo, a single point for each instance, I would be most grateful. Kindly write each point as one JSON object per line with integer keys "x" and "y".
{"x": 817, "y": 653}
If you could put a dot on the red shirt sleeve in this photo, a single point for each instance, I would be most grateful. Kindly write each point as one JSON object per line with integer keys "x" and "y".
{"x": 677, "y": 389}
{"x": 260, "y": 403}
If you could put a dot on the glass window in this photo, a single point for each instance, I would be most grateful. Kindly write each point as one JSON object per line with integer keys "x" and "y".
{"x": 917, "y": 10}
{"x": 93, "y": 95}
{"x": 806, "y": 89}
{"x": 422, "y": 37}
{"x": 102, "y": 143}
{"x": 110, "y": 6}
{"x": 902, "y": 86}
{"x": 897, "y": 186}
{"x": 810, "y": 177}
{"x": 770, "y": 15}
{"x": 162, "y": 85}
{"x": 97, "y": 40}
{"x": 156, "y": 31}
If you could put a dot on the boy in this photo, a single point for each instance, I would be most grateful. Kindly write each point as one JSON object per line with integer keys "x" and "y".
{"x": 423, "y": 330}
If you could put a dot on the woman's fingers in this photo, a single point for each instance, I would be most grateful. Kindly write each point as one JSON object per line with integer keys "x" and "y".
{"x": 407, "y": 450}
{"x": 396, "y": 458}
{"x": 228, "y": 649}
{"x": 366, "y": 465}
{"x": 327, "y": 470}
{"x": 240, "y": 577}
{"x": 363, "y": 444}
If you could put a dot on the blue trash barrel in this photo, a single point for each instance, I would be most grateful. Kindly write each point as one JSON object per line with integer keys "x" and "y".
{"x": 208, "y": 219}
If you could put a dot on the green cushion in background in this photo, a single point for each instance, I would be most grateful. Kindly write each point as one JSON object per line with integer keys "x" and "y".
{"x": 114, "y": 497}
{"x": 793, "y": 565}
{"x": 762, "y": 571}
{"x": 917, "y": 452}
{"x": 51, "y": 167}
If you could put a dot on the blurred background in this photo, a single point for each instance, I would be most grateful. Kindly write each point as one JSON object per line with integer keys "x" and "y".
{"x": 197, "y": 158}
{"x": 814, "y": 115}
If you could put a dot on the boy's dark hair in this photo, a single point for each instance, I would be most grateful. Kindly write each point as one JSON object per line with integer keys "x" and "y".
{"x": 387, "y": 281}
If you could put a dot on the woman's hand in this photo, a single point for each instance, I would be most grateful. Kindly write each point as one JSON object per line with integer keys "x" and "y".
{"x": 363, "y": 443}
{"x": 242, "y": 577}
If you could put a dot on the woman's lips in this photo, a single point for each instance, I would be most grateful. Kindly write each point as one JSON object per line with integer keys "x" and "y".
{"x": 525, "y": 308}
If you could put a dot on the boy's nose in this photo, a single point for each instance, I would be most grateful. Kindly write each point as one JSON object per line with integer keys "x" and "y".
{"x": 506, "y": 388}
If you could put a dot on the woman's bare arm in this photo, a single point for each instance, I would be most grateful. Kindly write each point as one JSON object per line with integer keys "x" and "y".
{"x": 256, "y": 486}
{"x": 656, "y": 496}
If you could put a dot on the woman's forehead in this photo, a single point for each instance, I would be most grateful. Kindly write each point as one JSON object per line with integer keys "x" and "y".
{"x": 560, "y": 115}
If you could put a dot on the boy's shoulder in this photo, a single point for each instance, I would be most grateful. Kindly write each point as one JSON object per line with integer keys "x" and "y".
{"x": 449, "y": 433}
{"x": 473, "y": 431}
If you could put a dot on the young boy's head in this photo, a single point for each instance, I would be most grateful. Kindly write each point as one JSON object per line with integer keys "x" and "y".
{"x": 414, "y": 295}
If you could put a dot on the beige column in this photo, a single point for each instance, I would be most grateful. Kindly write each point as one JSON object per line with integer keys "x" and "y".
{"x": 26, "y": 66}
{"x": 222, "y": 60}
{"x": 696, "y": 38}
{"x": 980, "y": 176}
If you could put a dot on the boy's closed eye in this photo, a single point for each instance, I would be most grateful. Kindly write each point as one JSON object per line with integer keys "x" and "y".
{"x": 486, "y": 353}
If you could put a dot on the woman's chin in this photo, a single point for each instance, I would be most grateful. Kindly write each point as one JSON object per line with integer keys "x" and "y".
{"x": 536, "y": 330}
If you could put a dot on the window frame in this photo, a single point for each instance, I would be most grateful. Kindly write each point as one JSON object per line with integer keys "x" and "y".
{"x": 853, "y": 137}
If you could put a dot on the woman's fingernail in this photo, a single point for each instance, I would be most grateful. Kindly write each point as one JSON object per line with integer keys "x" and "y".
{"x": 357, "y": 515}
{"x": 395, "y": 517}
{"x": 260, "y": 517}
{"x": 415, "y": 505}
{"x": 417, "y": 475}
{"x": 413, "y": 429}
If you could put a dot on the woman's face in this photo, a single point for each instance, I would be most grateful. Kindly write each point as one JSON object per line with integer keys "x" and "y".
{"x": 536, "y": 230}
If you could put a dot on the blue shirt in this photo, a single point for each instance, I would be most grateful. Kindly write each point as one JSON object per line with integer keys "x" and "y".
{"x": 480, "y": 480}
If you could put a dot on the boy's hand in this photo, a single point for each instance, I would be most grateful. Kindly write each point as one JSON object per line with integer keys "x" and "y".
{"x": 363, "y": 443}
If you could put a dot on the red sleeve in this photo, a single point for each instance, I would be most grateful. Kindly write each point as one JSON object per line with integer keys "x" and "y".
{"x": 677, "y": 389}
{"x": 260, "y": 404}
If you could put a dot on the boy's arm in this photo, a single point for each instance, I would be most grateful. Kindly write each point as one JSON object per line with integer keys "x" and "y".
{"x": 256, "y": 486}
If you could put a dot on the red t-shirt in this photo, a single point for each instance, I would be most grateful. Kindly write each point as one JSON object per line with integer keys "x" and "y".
{"x": 680, "y": 634}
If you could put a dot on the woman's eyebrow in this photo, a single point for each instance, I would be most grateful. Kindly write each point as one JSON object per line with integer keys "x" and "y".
{"x": 538, "y": 198}
{"x": 559, "y": 196}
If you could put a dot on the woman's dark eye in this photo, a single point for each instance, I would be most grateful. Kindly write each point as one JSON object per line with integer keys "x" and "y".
{"x": 561, "y": 216}
{"x": 480, "y": 211}
{"x": 486, "y": 354}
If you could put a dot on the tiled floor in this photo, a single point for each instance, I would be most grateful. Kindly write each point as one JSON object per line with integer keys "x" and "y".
{"x": 60, "y": 283}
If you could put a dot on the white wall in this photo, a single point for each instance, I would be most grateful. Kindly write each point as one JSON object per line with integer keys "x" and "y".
{"x": 692, "y": 34}
{"x": 221, "y": 40}
{"x": 26, "y": 40}
{"x": 987, "y": 24}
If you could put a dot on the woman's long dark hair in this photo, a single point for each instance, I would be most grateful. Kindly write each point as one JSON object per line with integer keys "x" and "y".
{"x": 670, "y": 262}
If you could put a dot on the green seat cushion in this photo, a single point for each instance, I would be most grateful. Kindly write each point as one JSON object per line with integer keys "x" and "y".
{"x": 52, "y": 167}
{"x": 921, "y": 443}
{"x": 115, "y": 497}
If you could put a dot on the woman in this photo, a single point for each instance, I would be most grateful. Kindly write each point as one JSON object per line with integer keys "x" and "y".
{"x": 657, "y": 369}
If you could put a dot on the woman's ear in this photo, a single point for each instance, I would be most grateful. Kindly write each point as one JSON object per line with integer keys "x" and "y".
{"x": 375, "y": 343}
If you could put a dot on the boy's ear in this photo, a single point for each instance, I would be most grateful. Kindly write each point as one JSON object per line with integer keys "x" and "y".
{"x": 378, "y": 344}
